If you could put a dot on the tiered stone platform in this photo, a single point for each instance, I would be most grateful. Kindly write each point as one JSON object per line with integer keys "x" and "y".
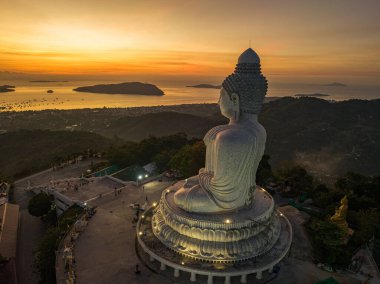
{"x": 227, "y": 237}
{"x": 238, "y": 243}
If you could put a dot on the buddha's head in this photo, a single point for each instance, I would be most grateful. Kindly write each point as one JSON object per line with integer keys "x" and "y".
{"x": 244, "y": 90}
{"x": 229, "y": 104}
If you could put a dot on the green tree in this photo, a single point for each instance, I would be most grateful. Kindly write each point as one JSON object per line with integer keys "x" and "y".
{"x": 44, "y": 257}
{"x": 150, "y": 149}
{"x": 297, "y": 178}
{"x": 363, "y": 191}
{"x": 326, "y": 198}
{"x": 353, "y": 183}
{"x": 125, "y": 155}
{"x": 326, "y": 239}
{"x": 189, "y": 159}
{"x": 146, "y": 149}
{"x": 40, "y": 204}
{"x": 367, "y": 222}
{"x": 264, "y": 171}
{"x": 162, "y": 160}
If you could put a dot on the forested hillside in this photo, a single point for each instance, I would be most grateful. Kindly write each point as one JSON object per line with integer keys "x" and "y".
{"x": 28, "y": 151}
{"x": 327, "y": 138}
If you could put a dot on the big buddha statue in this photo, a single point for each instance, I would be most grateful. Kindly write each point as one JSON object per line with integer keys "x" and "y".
{"x": 234, "y": 150}
{"x": 221, "y": 215}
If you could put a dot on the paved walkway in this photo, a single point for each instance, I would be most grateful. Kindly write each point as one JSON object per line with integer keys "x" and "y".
{"x": 32, "y": 228}
{"x": 105, "y": 251}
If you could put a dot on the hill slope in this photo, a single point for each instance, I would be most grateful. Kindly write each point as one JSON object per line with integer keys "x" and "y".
{"x": 27, "y": 151}
{"x": 158, "y": 124}
{"x": 325, "y": 137}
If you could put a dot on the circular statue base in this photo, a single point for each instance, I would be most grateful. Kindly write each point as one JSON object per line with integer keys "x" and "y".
{"x": 259, "y": 219}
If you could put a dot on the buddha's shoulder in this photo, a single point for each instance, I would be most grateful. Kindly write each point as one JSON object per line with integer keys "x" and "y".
{"x": 213, "y": 132}
{"x": 235, "y": 134}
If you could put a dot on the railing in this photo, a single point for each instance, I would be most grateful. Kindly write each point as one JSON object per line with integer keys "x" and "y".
{"x": 59, "y": 264}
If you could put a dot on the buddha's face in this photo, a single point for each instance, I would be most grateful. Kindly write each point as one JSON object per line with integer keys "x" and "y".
{"x": 226, "y": 104}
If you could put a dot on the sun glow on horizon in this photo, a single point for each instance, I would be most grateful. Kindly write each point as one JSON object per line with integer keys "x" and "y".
{"x": 74, "y": 38}
{"x": 162, "y": 38}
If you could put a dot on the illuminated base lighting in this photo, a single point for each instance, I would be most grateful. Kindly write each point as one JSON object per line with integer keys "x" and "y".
{"x": 219, "y": 268}
{"x": 169, "y": 220}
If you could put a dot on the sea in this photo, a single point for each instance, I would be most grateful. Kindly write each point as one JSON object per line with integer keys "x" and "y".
{"x": 33, "y": 95}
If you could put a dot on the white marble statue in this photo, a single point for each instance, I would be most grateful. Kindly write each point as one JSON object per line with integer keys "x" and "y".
{"x": 220, "y": 215}
{"x": 233, "y": 150}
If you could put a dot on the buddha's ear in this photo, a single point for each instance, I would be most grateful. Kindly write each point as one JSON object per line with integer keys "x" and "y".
{"x": 235, "y": 100}
{"x": 235, "y": 106}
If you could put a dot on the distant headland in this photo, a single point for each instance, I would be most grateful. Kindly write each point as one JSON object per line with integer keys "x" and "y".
{"x": 316, "y": 95}
{"x": 205, "y": 86}
{"x": 335, "y": 84}
{"x": 127, "y": 88}
{"x": 7, "y": 88}
{"x": 47, "y": 81}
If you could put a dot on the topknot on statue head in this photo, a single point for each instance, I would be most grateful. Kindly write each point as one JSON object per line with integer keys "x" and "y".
{"x": 247, "y": 82}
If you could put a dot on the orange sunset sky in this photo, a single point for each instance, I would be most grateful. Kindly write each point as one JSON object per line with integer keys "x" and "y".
{"x": 336, "y": 39}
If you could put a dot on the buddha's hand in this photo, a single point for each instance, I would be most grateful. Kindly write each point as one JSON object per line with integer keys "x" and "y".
{"x": 191, "y": 181}
{"x": 203, "y": 171}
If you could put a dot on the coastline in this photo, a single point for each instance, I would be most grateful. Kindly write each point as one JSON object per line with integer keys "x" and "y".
{"x": 153, "y": 108}
{"x": 130, "y": 111}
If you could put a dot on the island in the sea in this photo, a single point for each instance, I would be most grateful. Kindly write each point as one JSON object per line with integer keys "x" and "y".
{"x": 205, "y": 86}
{"x": 316, "y": 95}
{"x": 7, "y": 88}
{"x": 335, "y": 84}
{"x": 128, "y": 88}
